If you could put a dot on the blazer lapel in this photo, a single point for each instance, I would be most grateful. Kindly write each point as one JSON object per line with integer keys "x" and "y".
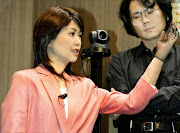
{"x": 53, "y": 91}
{"x": 74, "y": 99}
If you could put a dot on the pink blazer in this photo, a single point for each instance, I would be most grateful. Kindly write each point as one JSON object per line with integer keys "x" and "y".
{"x": 32, "y": 103}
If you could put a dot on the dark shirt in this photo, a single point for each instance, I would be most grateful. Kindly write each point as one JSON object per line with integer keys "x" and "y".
{"x": 127, "y": 67}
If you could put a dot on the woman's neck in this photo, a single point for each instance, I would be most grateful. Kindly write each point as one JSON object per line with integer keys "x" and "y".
{"x": 58, "y": 67}
{"x": 61, "y": 82}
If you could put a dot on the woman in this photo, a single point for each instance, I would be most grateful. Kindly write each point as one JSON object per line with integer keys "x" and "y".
{"x": 52, "y": 98}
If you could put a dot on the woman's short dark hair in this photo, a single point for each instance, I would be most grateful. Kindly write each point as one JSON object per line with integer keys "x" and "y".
{"x": 47, "y": 27}
{"x": 124, "y": 13}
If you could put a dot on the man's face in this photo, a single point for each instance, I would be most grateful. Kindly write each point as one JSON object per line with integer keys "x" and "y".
{"x": 151, "y": 24}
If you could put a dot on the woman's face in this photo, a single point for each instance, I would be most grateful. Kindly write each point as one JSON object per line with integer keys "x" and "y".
{"x": 147, "y": 29}
{"x": 65, "y": 48}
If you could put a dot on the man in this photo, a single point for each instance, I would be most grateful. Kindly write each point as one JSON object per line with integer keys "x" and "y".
{"x": 146, "y": 19}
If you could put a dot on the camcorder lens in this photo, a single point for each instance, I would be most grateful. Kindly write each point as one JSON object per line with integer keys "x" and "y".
{"x": 102, "y": 35}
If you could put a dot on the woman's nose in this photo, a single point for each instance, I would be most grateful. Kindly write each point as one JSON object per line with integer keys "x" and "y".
{"x": 78, "y": 41}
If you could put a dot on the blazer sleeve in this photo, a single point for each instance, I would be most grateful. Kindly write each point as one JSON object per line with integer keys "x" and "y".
{"x": 132, "y": 103}
{"x": 15, "y": 106}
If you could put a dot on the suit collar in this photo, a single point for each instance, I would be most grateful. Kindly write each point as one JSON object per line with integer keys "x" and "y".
{"x": 42, "y": 70}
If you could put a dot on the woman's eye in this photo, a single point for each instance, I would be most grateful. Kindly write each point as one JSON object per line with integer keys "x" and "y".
{"x": 72, "y": 33}
{"x": 80, "y": 36}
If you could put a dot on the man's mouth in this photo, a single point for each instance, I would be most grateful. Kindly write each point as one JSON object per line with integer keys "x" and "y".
{"x": 148, "y": 29}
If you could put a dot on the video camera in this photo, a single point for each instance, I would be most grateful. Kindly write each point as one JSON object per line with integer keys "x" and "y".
{"x": 99, "y": 45}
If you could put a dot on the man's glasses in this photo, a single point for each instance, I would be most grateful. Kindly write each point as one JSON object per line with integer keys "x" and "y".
{"x": 149, "y": 13}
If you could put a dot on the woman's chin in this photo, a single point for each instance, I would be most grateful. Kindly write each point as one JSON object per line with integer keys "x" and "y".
{"x": 72, "y": 61}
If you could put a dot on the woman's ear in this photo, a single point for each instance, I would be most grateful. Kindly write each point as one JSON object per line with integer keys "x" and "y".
{"x": 51, "y": 43}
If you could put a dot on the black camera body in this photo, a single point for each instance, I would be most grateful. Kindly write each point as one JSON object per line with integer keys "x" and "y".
{"x": 99, "y": 45}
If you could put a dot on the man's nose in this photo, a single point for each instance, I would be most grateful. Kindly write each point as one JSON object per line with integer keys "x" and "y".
{"x": 144, "y": 18}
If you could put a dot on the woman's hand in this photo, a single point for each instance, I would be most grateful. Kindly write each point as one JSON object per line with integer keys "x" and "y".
{"x": 166, "y": 42}
{"x": 152, "y": 72}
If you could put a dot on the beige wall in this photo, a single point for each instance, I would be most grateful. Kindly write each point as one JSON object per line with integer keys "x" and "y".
{"x": 17, "y": 18}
